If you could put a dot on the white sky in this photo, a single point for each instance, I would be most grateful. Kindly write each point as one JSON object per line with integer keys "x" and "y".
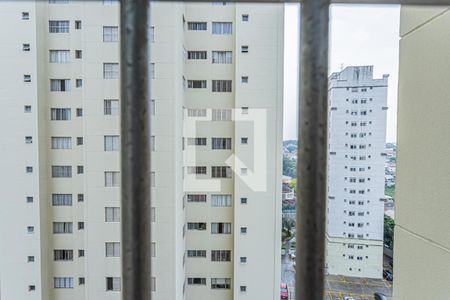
{"x": 359, "y": 35}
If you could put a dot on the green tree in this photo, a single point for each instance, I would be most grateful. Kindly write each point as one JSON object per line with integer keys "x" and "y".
{"x": 289, "y": 167}
{"x": 287, "y": 233}
{"x": 293, "y": 184}
{"x": 389, "y": 225}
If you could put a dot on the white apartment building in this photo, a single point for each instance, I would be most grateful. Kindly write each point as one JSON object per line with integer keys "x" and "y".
{"x": 356, "y": 142}
{"x": 216, "y": 229}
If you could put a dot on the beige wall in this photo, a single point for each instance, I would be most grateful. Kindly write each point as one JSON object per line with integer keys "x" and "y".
{"x": 422, "y": 232}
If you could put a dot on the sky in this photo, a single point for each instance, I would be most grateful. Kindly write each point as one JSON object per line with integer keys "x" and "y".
{"x": 359, "y": 35}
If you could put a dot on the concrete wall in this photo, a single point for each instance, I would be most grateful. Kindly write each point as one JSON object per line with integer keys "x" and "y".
{"x": 422, "y": 239}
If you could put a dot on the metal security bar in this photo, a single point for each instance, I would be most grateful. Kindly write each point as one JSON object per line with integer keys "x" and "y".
{"x": 312, "y": 158}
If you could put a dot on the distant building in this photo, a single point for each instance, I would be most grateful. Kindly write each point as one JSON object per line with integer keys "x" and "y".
{"x": 356, "y": 158}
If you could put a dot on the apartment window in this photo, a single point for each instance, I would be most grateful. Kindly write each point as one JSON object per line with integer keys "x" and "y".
{"x": 244, "y": 79}
{"x": 220, "y": 228}
{"x": 26, "y": 47}
{"x": 110, "y": 33}
{"x": 221, "y": 114}
{"x": 111, "y": 107}
{"x": 112, "y": 249}
{"x": 243, "y": 288}
{"x": 78, "y": 54}
{"x": 196, "y": 112}
{"x": 245, "y": 18}
{"x": 152, "y": 179}
{"x": 28, "y": 140}
{"x": 152, "y": 34}
{"x": 196, "y": 198}
{"x": 196, "y": 170}
{"x": 80, "y": 225}
{"x": 80, "y": 197}
{"x": 29, "y": 169}
{"x": 62, "y": 199}
{"x": 110, "y": 70}
{"x": 244, "y": 49}
{"x": 79, "y": 112}
{"x": 113, "y": 284}
{"x": 62, "y": 227}
{"x": 220, "y": 172}
{"x": 112, "y": 179}
{"x": 79, "y": 141}
{"x": 59, "y": 56}
{"x": 196, "y": 226}
{"x": 77, "y": 24}
{"x": 220, "y": 200}
{"x": 197, "y": 84}
{"x": 27, "y": 78}
{"x": 58, "y": 26}
{"x": 244, "y": 140}
{"x": 30, "y": 229}
{"x": 81, "y": 280}
{"x": 29, "y": 199}
{"x": 63, "y": 282}
{"x": 220, "y": 283}
{"x": 221, "y": 143}
{"x": 112, "y": 214}
{"x": 197, "y": 26}
{"x": 196, "y": 253}
{"x": 196, "y": 141}
{"x": 65, "y": 255}
{"x": 222, "y": 28}
{"x": 60, "y": 85}
{"x": 222, "y": 57}
{"x": 221, "y": 86}
{"x": 78, "y": 83}
{"x": 220, "y": 255}
{"x": 196, "y": 55}
{"x": 153, "y": 249}
{"x": 153, "y": 284}
{"x": 243, "y": 230}
{"x": 111, "y": 143}
{"x": 152, "y": 107}
{"x": 243, "y": 200}
{"x": 61, "y": 171}
{"x": 58, "y": 1}
{"x": 80, "y": 253}
{"x": 25, "y": 15}
{"x": 152, "y": 70}
{"x": 244, "y": 110}
{"x": 243, "y": 259}
{"x": 196, "y": 281}
{"x": 60, "y": 114}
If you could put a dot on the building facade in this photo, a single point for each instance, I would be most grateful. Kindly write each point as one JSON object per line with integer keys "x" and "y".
{"x": 356, "y": 142}
{"x": 216, "y": 89}
{"x": 422, "y": 224}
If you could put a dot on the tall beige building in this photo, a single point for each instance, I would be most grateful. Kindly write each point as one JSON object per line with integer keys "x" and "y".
{"x": 422, "y": 231}
{"x": 216, "y": 150}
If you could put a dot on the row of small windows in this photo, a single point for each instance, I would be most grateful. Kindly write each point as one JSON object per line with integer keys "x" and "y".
{"x": 216, "y": 255}
{"x": 110, "y": 107}
{"x": 216, "y": 228}
{"x": 356, "y": 101}
{"x": 216, "y": 200}
{"x": 355, "y": 89}
{"x": 216, "y": 113}
{"x": 216, "y": 283}
{"x": 216, "y": 143}
{"x": 218, "y": 28}
{"x": 217, "y": 85}
{"x": 218, "y": 57}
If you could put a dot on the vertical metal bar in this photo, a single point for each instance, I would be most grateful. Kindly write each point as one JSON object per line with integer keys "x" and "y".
{"x": 312, "y": 150}
{"x": 135, "y": 136}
